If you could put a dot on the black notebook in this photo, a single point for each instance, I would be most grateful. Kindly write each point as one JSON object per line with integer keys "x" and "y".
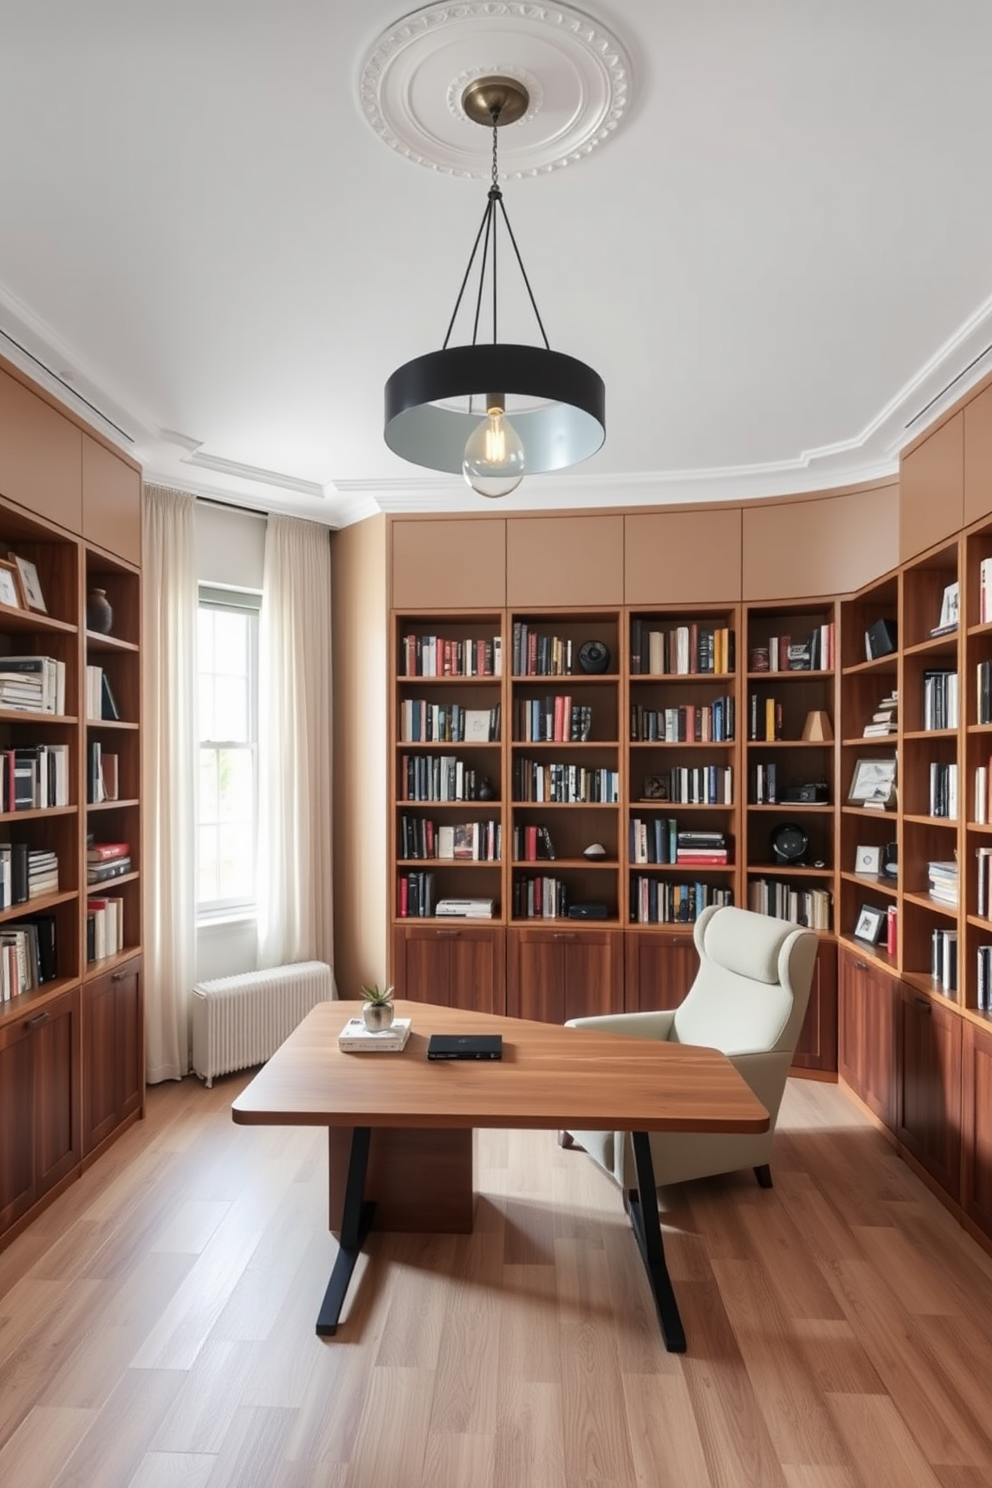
{"x": 465, "y": 1046}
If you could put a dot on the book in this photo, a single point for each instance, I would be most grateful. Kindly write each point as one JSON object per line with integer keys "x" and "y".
{"x": 112, "y": 868}
{"x": 108, "y": 703}
{"x": 98, "y": 852}
{"x": 355, "y": 1038}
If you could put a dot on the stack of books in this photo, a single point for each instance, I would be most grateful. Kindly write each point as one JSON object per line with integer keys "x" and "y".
{"x": 104, "y": 927}
{"x": 107, "y": 860}
{"x": 465, "y": 909}
{"x": 355, "y": 1038}
{"x": 32, "y": 684}
{"x": 703, "y": 848}
{"x": 43, "y": 873}
{"x": 885, "y": 719}
{"x": 943, "y": 882}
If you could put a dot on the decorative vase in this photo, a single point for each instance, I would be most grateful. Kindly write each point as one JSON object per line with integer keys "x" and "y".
{"x": 99, "y": 615}
{"x": 378, "y": 1015}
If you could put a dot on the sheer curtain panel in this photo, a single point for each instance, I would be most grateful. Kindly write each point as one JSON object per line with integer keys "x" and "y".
{"x": 169, "y": 790}
{"x": 295, "y": 905}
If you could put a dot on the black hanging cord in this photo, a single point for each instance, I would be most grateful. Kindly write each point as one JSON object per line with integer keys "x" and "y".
{"x": 487, "y": 227}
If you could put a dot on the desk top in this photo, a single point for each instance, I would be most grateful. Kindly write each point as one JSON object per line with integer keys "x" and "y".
{"x": 549, "y": 1077}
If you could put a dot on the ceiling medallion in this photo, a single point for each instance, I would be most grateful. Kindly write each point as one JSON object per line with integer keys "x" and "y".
{"x": 418, "y": 70}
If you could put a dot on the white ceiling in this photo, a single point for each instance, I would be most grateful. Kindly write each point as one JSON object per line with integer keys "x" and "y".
{"x": 780, "y": 258}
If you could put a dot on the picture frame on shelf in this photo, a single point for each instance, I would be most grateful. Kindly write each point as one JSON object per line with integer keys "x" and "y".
{"x": 10, "y": 586}
{"x": 870, "y": 924}
{"x": 656, "y": 788}
{"x": 950, "y": 607}
{"x": 868, "y": 861}
{"x": 873, "y": 783}
{"x": 34, "y": 596}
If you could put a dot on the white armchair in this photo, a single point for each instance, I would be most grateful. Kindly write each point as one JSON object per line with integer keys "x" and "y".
{"x": 748, "y": 1000}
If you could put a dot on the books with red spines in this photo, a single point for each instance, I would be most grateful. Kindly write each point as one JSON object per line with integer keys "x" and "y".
{"x": 98, "y": 852}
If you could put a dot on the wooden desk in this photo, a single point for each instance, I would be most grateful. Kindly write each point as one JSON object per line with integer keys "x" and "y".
{"x": 406, "y": 1121}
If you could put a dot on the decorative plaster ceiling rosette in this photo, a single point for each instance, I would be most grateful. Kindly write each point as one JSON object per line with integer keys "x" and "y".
{"x": 576, "y": 73}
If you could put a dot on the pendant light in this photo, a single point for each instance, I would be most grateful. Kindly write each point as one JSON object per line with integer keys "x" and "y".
{"x": 556, "y": 403}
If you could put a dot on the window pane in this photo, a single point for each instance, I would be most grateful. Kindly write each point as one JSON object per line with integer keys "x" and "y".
{"x": 235, "y": 862}
{"x": 236, "y": 785}
{"x": 226, "y": 804}
{"x": 230, "y": 708}
{"x": 209, "y": 792}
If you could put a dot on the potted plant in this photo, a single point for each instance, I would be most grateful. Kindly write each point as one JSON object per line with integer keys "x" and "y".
{"x": 378, "y": 1012}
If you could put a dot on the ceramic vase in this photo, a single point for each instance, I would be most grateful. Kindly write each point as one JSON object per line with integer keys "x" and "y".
{"x": 99, "y": 615}
{"x": 378, "y": 1015}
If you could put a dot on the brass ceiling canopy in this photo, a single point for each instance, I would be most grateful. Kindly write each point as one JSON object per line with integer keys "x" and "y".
{"x": 495, "y": 101}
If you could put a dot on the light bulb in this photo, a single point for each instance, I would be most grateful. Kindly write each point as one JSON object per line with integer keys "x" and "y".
{"x": 494, "y": 457}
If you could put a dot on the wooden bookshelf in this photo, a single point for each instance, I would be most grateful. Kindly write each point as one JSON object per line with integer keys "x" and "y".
{"x": 71, "y": 1029}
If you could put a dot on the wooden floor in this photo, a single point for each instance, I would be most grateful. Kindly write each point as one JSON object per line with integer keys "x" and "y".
{"x": 157, "y": 1324}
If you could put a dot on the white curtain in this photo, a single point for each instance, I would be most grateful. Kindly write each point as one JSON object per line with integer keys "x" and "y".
{"x": 169, "y": 588}
{"x": 294, "y": 849}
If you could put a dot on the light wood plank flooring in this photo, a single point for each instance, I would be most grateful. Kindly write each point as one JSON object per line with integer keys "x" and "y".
{"x": 157, "y": 1324}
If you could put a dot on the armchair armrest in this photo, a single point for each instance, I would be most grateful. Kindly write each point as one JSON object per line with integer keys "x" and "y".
{"x": 654, "y": 1025}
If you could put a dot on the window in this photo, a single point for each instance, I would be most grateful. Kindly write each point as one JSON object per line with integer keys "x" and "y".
{"x": 227, "y": 798}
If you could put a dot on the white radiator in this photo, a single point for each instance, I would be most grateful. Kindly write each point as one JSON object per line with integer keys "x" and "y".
{"x": 240, "y": 1021}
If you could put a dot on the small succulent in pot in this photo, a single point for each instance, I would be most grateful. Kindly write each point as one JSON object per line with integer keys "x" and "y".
{"x": 378, "y": 1012}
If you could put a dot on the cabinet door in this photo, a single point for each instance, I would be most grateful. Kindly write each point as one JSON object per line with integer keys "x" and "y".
{"x": 851, "y": 1021}
{"x": 536, "y": 975}
{"x": 17, "y": 1183}
{"x": 100, "y": 1099}
{"x": 452, "y": 965}
{"x": 56, "y": 1091}
{"x": 976, "y": 1127}
{"x": 659, "y": 970}
{"x": 555, "y": 975}
{"x": 930, "y": 1086}
{"x": 817, "y": 1045}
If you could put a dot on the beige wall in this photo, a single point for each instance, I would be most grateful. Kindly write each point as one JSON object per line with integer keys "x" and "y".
{"x": 359, "y": 610}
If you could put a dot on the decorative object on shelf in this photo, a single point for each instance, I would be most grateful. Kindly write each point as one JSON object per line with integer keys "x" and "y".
{"x": 873, "y": 783}
{"x": 812, "y": 793}
{"x": 818, "y": 727}
{"x": 594, "y": 850}
{"x": 485, "y": 791}
{"x": 789, "y": 844}
{"x": 890, "y": 860}
{"x": 34, "y": 597}
{"x": 99, "y": 613}
{"x": 656, "y": 788}
{"x": 868, "y": 861}
{"x": 881, "y": 639}
{"x": 379, "y": 1011}
{"x": 870, "y": 923}
{"x": 594, "y": 657}
{"x": 10, "y": 586}
{"x": 558, "y": 412}
{"x": 949, "y": 610}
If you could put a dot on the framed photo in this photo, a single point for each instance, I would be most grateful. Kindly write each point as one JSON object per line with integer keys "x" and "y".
{"x": 655, "y": 788}
{"x": 868, "y": 861}
{"x": 873, "y": 783}
{"x": 10, "y": 586}
{"x": 871, "y": 922}
{"x": 30, "y": 583}
{"x": 950, "y": 607}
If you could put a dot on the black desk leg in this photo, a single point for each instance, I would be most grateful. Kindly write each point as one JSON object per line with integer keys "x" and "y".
{"x": 356, "y": 1221}
{"x": 647, "y": 1228}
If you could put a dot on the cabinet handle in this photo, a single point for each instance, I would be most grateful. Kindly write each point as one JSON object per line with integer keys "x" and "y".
{"x": 120, "y": 976}
{"x": 924, "y": 1004}
{"x": 36, "y": 1020}
{"x": 563, "y": 935}
{"x": 861, "y": 965}
{"x": 447, "y": 934}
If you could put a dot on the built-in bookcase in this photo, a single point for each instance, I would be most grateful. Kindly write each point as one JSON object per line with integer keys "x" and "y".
{"x": 789, "y": 722}
{"x": 683, "y": 724}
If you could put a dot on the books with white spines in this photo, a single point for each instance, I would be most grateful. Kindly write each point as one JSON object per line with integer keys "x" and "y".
{"x": 981, "y": 795}
{"x": 466, "y": 909}
{"x": 355, "y": 1038}
{"x": 985, "y": 591}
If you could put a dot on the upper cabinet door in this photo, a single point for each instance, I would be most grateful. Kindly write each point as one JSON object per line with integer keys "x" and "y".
{"x": 111, "y": 502}
{"x": 564, "y": 560}
{"x": 978, "y": 457}
{"x": 39, "y": 456}
{"x": 931, "y": 489}
{"x": 451, "y": 563}
{"x": 682, "y": 557}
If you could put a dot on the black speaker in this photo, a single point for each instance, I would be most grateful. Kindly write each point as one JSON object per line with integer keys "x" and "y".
{"x": 594, "y": 656}
{"x": 587, "y": 911}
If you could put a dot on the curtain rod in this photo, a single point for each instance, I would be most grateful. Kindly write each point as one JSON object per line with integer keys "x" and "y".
{"x": 248, "y": 511}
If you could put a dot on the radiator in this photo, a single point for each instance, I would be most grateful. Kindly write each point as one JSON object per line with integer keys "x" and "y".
{"x": 240, "y": 1021}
